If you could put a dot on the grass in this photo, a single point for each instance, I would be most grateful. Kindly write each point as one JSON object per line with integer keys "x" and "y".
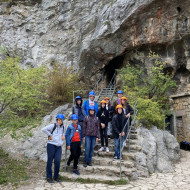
{"x": 11, "y": 171}
{"x": 95, "y": 181}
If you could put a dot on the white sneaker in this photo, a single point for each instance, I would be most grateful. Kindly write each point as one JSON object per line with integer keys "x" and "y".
{"x": 107, "y": 149}
{"x": 101, "y": 149}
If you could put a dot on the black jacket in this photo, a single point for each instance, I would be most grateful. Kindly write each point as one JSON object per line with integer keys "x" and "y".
{"x": 110, "y": 111}
{"x": 129, "y": 109}
{"x": 116, "y": 125}
{"x": 103, "y": 116}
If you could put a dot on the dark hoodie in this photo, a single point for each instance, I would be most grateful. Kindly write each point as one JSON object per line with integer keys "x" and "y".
{"x": 103, "y": 115}
{"x": 79, "y": 111}
{"x": 91, "y": 126}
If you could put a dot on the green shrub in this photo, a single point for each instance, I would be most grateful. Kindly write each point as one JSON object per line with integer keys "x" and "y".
{"x": 63, "y": 81}
{"x": 150, "y": 88}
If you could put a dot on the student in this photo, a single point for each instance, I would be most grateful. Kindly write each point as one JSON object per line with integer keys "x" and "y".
{"x": 90, "y": 102}
{"x": 103, "y": 116}
{"x": 79, "y": 110}
{"x": 74, "y": 142}
{"x": 127, "y": 109}
{"x": 90, "y": 135}
{"x": 56, "y": 137}
{"x": 118, "y": 123}
{"x": 110, "y": 109}
{"x": 118, "y": 100}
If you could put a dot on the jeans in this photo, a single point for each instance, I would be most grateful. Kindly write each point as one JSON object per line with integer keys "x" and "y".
{"x": 53, "y": 153}
{"x": 117, "y": 146}
{"x": 90, "y": 142}
{"x": 104, "y": 135}
{"x": 75, "y": 153}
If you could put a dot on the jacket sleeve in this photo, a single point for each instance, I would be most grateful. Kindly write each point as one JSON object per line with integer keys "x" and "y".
{"x": 84, "y": 127}
{"x": 96, "y": 107}
{"x": 85, "y": 107}
{"x": 98, "y": 128}
{"x": 114, "y": 126}
{"x": 80, "y": 134}
{"x": 48, "y": 129}
{"x": 67, "y": 136}
{"x": 107, "y": 118}
{"x": 131, "y": 111}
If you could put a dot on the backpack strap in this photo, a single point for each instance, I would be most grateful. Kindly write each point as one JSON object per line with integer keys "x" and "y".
{"x": 53, "y": 128}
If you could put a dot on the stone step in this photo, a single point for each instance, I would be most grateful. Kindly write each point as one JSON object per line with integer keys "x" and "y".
{"x": 104, "y": 170}
{"x": 99, "y": 177}
{"x": 125, "y": 155}
{"x": 101, "y": 161}
{"x": 133, "y": 147}
{"x": 111, "y": 142}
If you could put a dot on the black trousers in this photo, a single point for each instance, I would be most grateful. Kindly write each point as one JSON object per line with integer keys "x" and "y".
{"x": 104, "y": 135}
{"x": 75, "y": 153}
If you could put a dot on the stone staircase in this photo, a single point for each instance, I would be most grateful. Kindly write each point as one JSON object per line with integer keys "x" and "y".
{"x": 104, "y": 167}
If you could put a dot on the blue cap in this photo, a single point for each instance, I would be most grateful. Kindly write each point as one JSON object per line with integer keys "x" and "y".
{"x": 60, "y": 116}
{"x": 78, "y": 97}
{"x": 74, "y": 117}
{"x": 91, "y": 93}
{"x": 91, "y": 108}
{"x": 120, "y": 92}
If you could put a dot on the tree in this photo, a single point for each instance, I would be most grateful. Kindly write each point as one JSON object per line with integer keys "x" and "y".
{"x": 149, "y": 88}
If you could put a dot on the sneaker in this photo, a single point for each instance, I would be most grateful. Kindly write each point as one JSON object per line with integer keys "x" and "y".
{"x": 89, "y": 163}
{"x": 85, "y": 164}
{"x": 50, "y": 180}
{"x": 57, "y": 180}
{"x": 115, "y": 158}
{"x": 107, "y": 149}
{"x": 76, "y": 172}
{"x": 101, "y": 149}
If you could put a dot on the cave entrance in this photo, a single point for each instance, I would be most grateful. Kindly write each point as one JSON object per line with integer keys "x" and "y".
{"x": 111, "y": 67}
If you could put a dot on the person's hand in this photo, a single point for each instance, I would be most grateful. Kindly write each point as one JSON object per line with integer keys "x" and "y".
{"x": 103, "y": 125}
{"x": 96, "y": 139}
{"x": 128, "y": 115}
{"x": 68, "y": 147}
{"x": 63, "y": 137}
{"x": 50, "y": 137}
{"x": 119, "y": 134}
{"x": 83, "y": 138}
{"x": 123, "y": 134}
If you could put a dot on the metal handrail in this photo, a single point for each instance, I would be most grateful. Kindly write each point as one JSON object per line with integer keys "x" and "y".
{"x": 112, "y": 81}
{"x": 127, "y": 136}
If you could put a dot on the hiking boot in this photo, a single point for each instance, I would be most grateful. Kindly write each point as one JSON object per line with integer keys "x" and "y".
{"x": 107, "y": 149}
{"x": 115, "y": 158}
{"x": 85, "y": 164}
{"x": 57, "y": 180}
{"x": 89, "y": 163}
{"x": 76, "y": 172}
{"x": 101, "y": 149}
{"x": 50, "y": 180}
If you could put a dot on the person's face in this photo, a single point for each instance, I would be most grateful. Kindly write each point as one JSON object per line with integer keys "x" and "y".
{"x": 75, "y": 121}
{"x": 91, "y": 112}
{"x": 107, "y": 101}
{"x": 60, "y": 122}
{"x": 103, "y": 105}
{"x": 119, "y": 110}
{"x": 119, "y": 95}
{"x": 79, "y": 102}
{"x": 122, "y": 101}
{"x": 92, "y": 98}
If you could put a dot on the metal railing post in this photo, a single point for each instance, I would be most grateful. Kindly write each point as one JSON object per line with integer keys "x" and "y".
{"x": 129, "y": 136}
{"x": 120, "y": 156}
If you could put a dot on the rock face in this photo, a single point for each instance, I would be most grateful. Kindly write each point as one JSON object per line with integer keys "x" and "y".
{"x": 160, "y": 150}
{"x": 35, "y": 147}
{"x": 88, "y": 34}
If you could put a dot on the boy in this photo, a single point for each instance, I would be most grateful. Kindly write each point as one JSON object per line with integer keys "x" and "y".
{"x": 79, "y": 110}
{"x": 73, "y": 142}
{"x": 103, "y": 116}
{"x": 90, "y": 102}
{"x": 118, "y": 100}
{"x": 118, "y": 123}
{"x": 56, "y": 137}
{"x": 90, "y": 134}
{"x": 127, "y": 109}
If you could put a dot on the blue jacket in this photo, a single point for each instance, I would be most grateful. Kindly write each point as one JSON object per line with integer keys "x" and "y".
{"x": 86, "y": 107}
{"x": 70, "y": 133}
{"x": 56, "y": 135}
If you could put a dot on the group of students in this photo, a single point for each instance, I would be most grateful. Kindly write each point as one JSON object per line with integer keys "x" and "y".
{"x": 89, "y": 124}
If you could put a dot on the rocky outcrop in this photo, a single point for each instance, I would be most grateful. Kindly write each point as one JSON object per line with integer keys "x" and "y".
{"x": 88, "y": 34}
{"x": 160, "y": 150}
{"x": 35, "y": 147}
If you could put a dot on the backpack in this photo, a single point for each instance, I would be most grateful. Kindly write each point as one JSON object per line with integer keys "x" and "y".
{"x": 54, "y": 129}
